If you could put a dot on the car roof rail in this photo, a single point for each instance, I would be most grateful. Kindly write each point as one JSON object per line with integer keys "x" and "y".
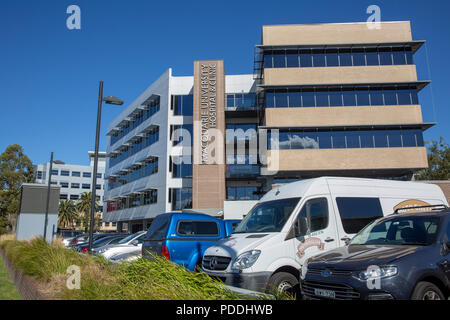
{"x": 436, "y": 207}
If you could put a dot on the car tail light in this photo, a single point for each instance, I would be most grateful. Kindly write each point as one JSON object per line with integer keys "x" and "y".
{"x": 165, "y": 252}
{"x": 85, "y": 249}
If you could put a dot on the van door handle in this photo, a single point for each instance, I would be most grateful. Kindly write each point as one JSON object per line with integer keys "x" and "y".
{"x": 329, "y": 239}
{"x": 345, "y": 239}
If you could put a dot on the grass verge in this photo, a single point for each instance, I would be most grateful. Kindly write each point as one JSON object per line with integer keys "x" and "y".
{"x": 152, "y": 279}
{"x": 7, "y": 289}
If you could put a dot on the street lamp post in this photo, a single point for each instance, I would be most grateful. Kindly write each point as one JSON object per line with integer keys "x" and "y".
{"x": 108, "y": 100}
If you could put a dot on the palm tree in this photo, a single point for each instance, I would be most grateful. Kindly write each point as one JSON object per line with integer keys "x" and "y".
{"x": 84, "y": 207}
{"x": 66, "y": 213}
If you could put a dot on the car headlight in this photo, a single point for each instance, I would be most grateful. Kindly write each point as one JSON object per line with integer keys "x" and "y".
{"x": 246, "y": 260}
{"x": 304, "y": 270}
{"x": 376, "y": 273}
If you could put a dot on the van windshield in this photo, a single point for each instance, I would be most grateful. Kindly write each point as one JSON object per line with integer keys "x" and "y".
{"x": 269, "y": 216}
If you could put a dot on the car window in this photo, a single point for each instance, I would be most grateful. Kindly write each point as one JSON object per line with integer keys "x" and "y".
{"x": 316, "y": 211}
{"x": 356, "y": 213}
{"x": 414, "y": 230}
{"x": 198, "y": 228}
{"x": 127, "y": 239}
{"x": 115, "y": 240}
{"x": 158, "y": 228}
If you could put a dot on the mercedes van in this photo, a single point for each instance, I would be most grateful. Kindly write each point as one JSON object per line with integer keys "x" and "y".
{"x": 301, "y": 219}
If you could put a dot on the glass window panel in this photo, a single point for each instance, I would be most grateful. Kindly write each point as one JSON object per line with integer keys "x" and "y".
{"x": 339, "y": 140}
{"x": 308, "y": 99}
{"x": 398, "y": 55}
{"x": 332, "y": 58}
{"x": 409, "y": 138}
{"x": 281, "y": 99}
{"x": 359, "y": 57}
{"x": 414, "y": 99}
{"x": 366, "y": 138}
{"x": 268, "y": 60}
{"x": 318, "y": 58}
{"x": 324, "y": 140}
{"x": 395, "y": 138}
{"x": 376, "y": 97}
{"x": 284, "y": 142}
{"x": 372, "y": 57}
{"x": 322, "y": 97}
{"x": 230, "y": 100}
{"x": 279, "y": 59}
{"x": 385, "y": 56}
{"x": 345, "y": 57}
{"x": 292, "y": 58}
{"x": 335, "y": 95}
{"x": 305, "y": 58}
{"x": 404, "y": 95}
{"x": 352, "y": 139}
{"x": 305, "y": 140}
{"x": 409, "y": 56}
{"x": 390, "y": 96}
{"x": 362, "y": 97}
{"x": 349, "y": 97}
{"x": 270, "y": 98}
{"x": 294, "y": 98}
{"x": 380, "y": 138}
{"x": 419, "y": 138}
{"x": 188, "y": 105}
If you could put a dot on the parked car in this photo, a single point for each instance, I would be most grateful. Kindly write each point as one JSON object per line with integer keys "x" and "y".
{"x": 129, "y": 244}
{"x": 184, "y": 237}
{"x": 84, "y": 240}
{"x": 67, "y": 235}
{"x": 109, "y": 240}
{"x": 403, "y": 256}
{"x": 298, "y": 220}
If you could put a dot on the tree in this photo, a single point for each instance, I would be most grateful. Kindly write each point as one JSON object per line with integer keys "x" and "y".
{"x": 67, "y": 213}
{"x": 15, "y": 169}
{"x": 84, "y": 207}
{"x": 438, "y": 162}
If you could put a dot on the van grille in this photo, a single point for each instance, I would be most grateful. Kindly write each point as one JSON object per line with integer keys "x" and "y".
{"x": 342, "y": 291}
{"x": 215, "y": 262}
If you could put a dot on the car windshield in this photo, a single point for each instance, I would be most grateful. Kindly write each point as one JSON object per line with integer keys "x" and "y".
{"x": 102, "y": 241}
{"x": 269, "y": 216}
{"x": 127, "y": 239}
{"x": 409, "y": 230}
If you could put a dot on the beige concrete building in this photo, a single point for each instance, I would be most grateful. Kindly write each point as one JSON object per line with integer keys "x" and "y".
{"x": 344, "y": 99}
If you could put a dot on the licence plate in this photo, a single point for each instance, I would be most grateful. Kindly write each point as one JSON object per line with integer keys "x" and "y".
{"x": 325, "y": 293}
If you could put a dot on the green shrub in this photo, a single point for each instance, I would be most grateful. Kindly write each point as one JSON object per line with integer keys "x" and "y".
{"x": 152, "y": 279}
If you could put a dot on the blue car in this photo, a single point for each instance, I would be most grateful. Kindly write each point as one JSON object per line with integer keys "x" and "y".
{"x": 184, "y": 237}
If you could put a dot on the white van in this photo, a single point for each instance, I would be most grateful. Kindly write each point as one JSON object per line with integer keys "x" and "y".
{"x": 298, "y": 220}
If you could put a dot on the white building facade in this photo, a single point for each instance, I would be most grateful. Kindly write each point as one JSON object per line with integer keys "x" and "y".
{"x": 74, "y": 179}
{"x": 145, "y": 173}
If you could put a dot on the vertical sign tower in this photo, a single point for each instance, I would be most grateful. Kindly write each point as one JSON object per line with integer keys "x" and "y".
{"x": 208, "y": 180}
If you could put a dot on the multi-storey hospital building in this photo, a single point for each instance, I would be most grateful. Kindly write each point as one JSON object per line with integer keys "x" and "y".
{"x": 324, "y": 99}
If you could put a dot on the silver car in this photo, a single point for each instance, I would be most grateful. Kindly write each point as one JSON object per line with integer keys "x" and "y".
{"x": 130, "y": 244}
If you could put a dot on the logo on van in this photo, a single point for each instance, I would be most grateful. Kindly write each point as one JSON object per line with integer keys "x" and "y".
{"x": 310, "y": 242}
{"x": 404, "y": 205}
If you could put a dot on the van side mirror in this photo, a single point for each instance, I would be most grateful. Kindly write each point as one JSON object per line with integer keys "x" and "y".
{"x": 134, "y": 242}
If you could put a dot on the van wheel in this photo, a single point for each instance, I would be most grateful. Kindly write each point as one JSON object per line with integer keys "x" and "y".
{"x": 427, "y": 291}
{"x": 283, "y": 282}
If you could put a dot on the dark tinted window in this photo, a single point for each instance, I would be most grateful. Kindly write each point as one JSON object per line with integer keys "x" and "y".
{"x": 158, "y": 228}
{"x": 356, "y": 213}
{"x": 198, "y": 228}
{"x": 316, "y": 211}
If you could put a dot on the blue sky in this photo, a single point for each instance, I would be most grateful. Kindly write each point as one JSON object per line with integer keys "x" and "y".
{"x": 49, "y": 74}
